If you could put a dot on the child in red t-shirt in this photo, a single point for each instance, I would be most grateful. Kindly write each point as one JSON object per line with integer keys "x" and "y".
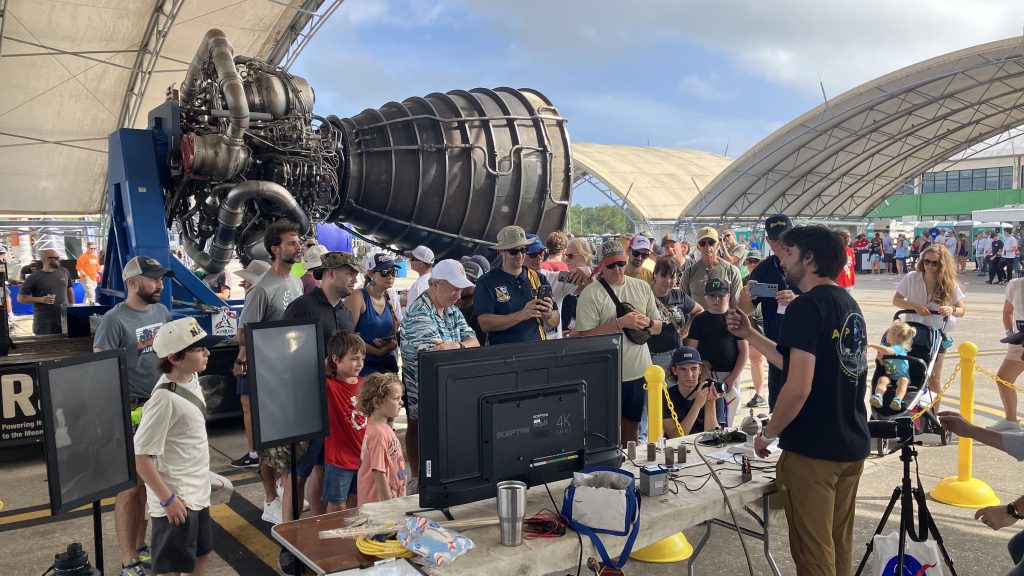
{"x": 382, "y": 474}
{"x": 346, "y": 352}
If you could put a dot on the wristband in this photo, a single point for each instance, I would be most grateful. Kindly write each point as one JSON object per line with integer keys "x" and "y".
{"x": 766, "y": 437}
{"x": 169, "y": 500}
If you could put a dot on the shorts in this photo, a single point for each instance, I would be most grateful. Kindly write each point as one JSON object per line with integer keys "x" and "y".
{"x": 339, "y": 483}
{"x": 888, "y": 258}
{"x": 633, "y": 397}
{"x": 875, "y": 258}
{"x": 410, "y": 397}
{"x": 1014, "y": 353}
{"x": 279, "y": 457}
{"x": 242, "y": 385}
{"x": 175, "y": 548}
{"x": 313, "y": 457}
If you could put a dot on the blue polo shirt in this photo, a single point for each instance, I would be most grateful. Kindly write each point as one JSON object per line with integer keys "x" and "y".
{"x": 498, "y": 292}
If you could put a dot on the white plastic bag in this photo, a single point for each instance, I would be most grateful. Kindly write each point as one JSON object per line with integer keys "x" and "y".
{"x": 917, "y": 555}
{"x": 600, "y": 500}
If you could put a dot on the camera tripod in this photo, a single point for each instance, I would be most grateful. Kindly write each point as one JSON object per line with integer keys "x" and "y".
{"x": 906, "y": 495}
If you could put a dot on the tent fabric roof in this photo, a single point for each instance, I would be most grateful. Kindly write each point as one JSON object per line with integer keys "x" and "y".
{"x": 48, "y": 96}
{"x": 842, "y": 158}
{"x": 656, "y": 183}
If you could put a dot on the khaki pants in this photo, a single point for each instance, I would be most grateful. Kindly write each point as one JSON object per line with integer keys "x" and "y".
{"x": 90, "y": 290}
{"x": 819, "y": 497}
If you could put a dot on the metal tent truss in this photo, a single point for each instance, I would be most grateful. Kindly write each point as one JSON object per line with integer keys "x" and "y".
{"x": 304, "y": 25}
{"x": 146, "y": 57}
{"x": 844, "y": 157}
{"x": 639, "y": 222}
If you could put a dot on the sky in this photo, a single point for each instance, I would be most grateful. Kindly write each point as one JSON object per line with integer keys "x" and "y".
{"x": 716, "y": 75}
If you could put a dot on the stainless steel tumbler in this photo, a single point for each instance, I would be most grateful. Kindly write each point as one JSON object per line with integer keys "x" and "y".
{"x": 511, "y": 511}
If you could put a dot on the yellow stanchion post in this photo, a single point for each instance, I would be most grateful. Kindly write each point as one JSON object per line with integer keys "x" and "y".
{"x": 655, "y": 377}
{"x": 962, "y": 489}
{"x": 674, "y": 548}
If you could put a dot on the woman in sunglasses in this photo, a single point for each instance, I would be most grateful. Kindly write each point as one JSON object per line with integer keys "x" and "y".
{"x": 933, "y": 291}
{"x": 376, "y": 320}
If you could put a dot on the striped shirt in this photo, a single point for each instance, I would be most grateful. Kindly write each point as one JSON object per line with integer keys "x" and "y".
{"x": 423, "y": 328}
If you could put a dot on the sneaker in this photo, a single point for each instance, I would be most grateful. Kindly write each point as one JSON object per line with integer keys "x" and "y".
{"x": 133, "y": 569}
{"x": 305, "y": 503}
{"x": 246, "y": 461}
{"x": 1004, "y": 425}
{"x": 286, "y": 561}
{"x": 896, "y": 404}
{"x": 272, "y": 511}
{"x": 757, "y": 401}
{"x": 876, "y": 400}
{"x": 145, "y": 557}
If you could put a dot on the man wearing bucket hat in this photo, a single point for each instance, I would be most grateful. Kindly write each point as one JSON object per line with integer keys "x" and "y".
{"x": 710, "y": 265}
{"x": 433, "y": 322}
{"x": 597, "y": 312}
{"x": 509, "y": 301}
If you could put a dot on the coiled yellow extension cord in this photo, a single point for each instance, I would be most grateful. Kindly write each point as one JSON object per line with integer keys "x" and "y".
{"x": 386, "y": 549}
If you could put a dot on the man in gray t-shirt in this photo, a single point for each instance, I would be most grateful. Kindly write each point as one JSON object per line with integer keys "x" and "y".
{"x": 49, "y": 291}
{"x": 269, "y": 298}
{"x": 132, "y": 326}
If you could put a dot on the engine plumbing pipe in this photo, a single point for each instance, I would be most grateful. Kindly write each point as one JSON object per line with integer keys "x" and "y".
{"x": 962, "y": 489}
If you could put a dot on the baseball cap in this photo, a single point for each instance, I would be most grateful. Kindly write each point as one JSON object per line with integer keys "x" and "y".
{"x": 333, "y": 260}
{"x": 379, "y": 261}
{"x": 511, "y": 237}
{"x": 180, "y": 334}
{"x": 669, "y": 238}
{"x": 716, "y": 287}
{"x": 535, "y": 244}
{"x": 775, "y": 225}
{"x": 480, "y": 261}
{"x": 756, "y": 254}
{"x": 640, "y": 243}
{"x": 421, "y": 253}
{"x": 313, "y": 254}
{"x": 473, "y": 271}
{"x": 253, "y": 271}
{"x": 707, "y": 232}
{"x": 452, "y": 272}
{"x": 145, "y": 266}
{"x": 612, "y": 251}
{"x": 686, "y": 355}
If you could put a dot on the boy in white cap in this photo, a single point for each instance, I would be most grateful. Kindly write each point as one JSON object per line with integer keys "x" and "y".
{"x": 172, "y": 454}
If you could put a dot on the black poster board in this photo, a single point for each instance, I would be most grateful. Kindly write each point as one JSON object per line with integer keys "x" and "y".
{"x": 286, "y": 380}
{"x": 87, "y": 429}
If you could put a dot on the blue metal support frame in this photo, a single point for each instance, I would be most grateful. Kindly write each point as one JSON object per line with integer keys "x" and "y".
{"x": 138, "y": 228}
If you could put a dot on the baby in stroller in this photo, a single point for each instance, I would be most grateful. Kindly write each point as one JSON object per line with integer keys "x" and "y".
{"x": 896, "y": 341}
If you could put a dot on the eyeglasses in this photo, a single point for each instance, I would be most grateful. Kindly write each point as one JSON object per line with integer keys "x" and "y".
{"x": 753, "y": 260}
{"x": 539, "y": 254}
{"x": 387, "y": 272}
{"x": 639, "y": 254}
{"x": 619, "y": 264}
{"x": 707, "y": 242}
{"x": 927, "y": 262}
{"x": 515, "y": 251}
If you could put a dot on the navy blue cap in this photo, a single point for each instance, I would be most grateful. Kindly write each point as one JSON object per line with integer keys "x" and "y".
{"x": 776, "y": 224}
{"x": 535, "y": 244}
{"x": 686, "y": 355}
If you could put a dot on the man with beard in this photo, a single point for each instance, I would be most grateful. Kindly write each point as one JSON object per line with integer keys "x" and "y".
{"x": 48, "y": 290}
{"x": 710, "y": 265}
{"x": 267, "y": 301}
{"x": 132, "y": 325}
{"x": 639, "y": 252}
{"x": 819, "y": 415}
{"x": 433, "y": 322}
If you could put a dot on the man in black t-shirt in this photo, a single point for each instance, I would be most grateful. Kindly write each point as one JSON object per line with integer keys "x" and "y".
{"x": 725, "y": 353}
{"x": 819, "y": 412}
{"x": 995, "y": 265}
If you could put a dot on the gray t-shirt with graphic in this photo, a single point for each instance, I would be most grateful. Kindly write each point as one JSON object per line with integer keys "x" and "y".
{"x": 134, "y": 331}
{"x": 269, "y": 298}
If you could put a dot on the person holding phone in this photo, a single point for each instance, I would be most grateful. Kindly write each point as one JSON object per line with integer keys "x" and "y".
{"x": 773, "y": 305}
{"x": 376, "y": 320}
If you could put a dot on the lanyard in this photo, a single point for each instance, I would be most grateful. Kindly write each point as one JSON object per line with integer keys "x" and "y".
{"x": 775, "y": 262}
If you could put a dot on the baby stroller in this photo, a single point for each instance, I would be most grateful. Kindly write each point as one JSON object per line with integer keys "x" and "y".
{"x": 921, "y": 360}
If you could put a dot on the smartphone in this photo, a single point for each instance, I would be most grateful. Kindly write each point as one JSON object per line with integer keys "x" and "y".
{"x": 563, "y": 277}
{"x": 764, "y": 290}
{"x": 544, "y": 292}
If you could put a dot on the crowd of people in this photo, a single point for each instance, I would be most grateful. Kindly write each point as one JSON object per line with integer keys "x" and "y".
{"x": 703, "y": 315}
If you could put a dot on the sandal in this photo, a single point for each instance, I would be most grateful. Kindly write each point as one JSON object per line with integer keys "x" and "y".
{"x": 896, "y": 404}
{"x": 876, "y": 400}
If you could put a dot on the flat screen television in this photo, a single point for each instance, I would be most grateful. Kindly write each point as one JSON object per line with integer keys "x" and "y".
{"x": 286, "y": 378}
{"x": 87, "y": 430}
{"x": 530, "y": 412}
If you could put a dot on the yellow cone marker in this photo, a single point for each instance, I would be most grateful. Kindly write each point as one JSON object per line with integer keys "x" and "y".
{"x": 655, "y": 377}
{"x": 964, "y": 490}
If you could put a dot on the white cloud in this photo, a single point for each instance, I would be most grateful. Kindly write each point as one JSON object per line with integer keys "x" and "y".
{"x": 705, "y": 89}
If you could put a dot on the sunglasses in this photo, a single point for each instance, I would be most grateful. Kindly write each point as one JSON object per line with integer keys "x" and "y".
{"x": 753, "y": 260}
{"x": 706, "y": 243}
{"x": 927, "y": 262}
{"x": 516, "y": 251}
{"x": 639, "y": 254}
{"x": 539, "y": 254}
{"x": 615, "y": 265}
{"x": 387, "y": 272}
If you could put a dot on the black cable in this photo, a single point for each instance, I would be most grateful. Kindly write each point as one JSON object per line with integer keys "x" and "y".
{"x": 579, "y": 539}
{"x": 728, "y": 504}
{"x": 50, "y": 569}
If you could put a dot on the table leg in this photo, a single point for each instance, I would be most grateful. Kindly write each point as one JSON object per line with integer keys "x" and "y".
{"x": 697, "y": 549}
{"x": 767, "y": 534}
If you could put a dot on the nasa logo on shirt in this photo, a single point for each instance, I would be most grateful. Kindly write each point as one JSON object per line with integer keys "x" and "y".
{"x": 501, "y": 294}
